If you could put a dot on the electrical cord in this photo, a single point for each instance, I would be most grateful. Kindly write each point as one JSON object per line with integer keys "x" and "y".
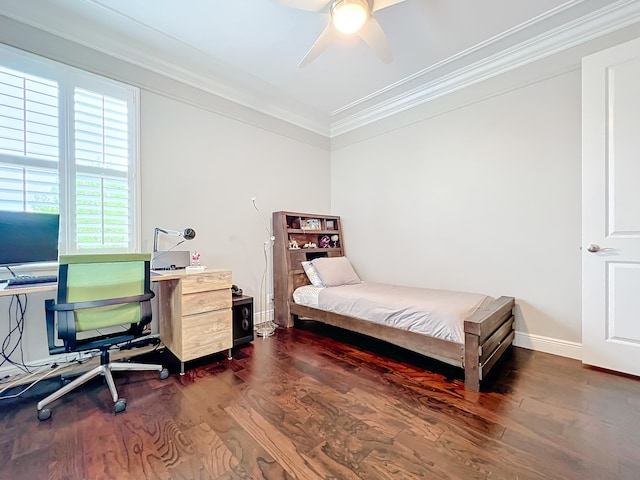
{"x": 165, "y": 252}
{"x": 46, "y": 371}
{"x": 20, "y": 310}
{"x": 7, "y": 350}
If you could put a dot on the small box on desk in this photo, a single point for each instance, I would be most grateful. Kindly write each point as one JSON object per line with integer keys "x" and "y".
{"x": 242, "y": 320}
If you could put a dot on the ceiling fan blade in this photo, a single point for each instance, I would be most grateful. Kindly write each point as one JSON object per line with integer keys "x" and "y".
{"x": 307, "y": 5}
{"x": 380, "y": 4}
{"x": 324, "y": 40}
{"x": 374, "y": 36}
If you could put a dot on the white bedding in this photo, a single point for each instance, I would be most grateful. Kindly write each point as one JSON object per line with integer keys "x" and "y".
{"x": 307, "y": 295}
{"x": 437, "y": 313}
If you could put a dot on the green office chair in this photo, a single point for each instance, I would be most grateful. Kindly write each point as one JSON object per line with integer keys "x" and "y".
{"x": 103, "y": 301}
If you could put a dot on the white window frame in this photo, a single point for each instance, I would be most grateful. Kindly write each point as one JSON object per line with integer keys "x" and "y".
{"x": 69, "y": 78}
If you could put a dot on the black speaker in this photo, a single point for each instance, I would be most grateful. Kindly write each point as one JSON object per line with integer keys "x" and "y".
{"x": 242, "y": 320}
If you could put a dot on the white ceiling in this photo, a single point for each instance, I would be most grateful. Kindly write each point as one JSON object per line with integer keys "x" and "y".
{"x": 248, "y": 50}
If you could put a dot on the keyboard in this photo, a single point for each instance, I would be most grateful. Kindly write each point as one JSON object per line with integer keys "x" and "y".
{"x": 32, "y": 279}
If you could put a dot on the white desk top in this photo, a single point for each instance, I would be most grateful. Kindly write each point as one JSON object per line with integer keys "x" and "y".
{"x": 23, "y": 289}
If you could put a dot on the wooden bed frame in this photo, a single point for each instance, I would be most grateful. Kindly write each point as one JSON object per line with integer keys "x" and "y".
{"x": 488, "y": 332}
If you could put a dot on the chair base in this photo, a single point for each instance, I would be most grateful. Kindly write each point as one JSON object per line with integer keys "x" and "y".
{"x": 104, "y": 370}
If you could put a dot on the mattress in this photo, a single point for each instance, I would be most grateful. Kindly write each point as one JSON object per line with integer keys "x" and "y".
{"x": 433, "y": 312}
{"x": 307, "y": 295}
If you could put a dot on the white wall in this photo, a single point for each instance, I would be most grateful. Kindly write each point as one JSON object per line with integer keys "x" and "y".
{"x": 482, "y": 198}
{"x": 201, "y": 170}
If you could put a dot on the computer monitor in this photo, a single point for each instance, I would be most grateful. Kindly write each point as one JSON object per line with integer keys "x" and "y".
{"x": 28, "y": 237}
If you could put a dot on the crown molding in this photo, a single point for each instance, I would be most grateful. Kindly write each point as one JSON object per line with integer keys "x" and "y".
{"x": 422, "y": 75}
{"x": 257, "y": 105}
{"x": 30, "y": 39}
{"x": 183, "y": 64}
{"x": 616, "y": 16}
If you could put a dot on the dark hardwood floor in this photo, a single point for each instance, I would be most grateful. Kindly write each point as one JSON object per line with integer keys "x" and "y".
{"x": 301, "y": 405}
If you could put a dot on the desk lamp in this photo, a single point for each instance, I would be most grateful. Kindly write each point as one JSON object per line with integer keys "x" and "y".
{"x": 170, "y": 259}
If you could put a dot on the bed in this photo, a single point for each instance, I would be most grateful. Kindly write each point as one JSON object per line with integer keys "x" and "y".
{"x": 478, "y": 337}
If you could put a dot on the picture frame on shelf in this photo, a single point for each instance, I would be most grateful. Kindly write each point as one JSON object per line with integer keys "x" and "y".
{"x": 311, "y": 224}
{"x": 330, "y": 224}
{"x": 295, "y": 223}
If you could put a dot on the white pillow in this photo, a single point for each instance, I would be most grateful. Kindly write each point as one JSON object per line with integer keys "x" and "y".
{"x": 335, "y": 271}
{"x": 312, "y": 274}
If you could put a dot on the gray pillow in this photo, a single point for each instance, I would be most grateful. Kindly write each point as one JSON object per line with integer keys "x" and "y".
{"x": 335, "y": 271}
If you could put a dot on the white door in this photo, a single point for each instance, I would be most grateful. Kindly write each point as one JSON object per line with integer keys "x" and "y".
{"x": 611, "y": 208}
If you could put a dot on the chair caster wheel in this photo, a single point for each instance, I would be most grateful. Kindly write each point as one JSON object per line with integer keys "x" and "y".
{"x": 120, "y": 405}
{"x": 164, "y": 374}
{"x": 44, "y": 414}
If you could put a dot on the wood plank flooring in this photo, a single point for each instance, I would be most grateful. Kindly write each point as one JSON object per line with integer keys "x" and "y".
{"x": 305, "y": 405}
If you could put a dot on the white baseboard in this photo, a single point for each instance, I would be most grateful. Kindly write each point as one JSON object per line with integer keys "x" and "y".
{"x": 263, "y": 317}
{"x": 554, "y": 346}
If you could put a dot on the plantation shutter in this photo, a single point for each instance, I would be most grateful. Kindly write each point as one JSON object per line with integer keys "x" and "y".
{"x": 28, "y": 143}
{"x": 102, "y": 166}
{"x": 68, "y": 145}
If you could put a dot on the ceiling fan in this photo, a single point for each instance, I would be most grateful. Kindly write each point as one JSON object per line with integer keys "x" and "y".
{"x": 348, "y": 17}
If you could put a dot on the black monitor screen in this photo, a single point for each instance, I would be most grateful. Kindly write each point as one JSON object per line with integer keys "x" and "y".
{"x": 27, "y": 237}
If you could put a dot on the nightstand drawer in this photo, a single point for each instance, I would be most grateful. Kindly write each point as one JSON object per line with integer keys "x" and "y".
{"x": 206, "y": 333}
{"x": 202, "y": 282}
{"x": 193, "y": 303}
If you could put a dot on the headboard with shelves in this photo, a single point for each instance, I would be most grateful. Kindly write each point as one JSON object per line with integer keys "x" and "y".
{"x": 299, "y": 237}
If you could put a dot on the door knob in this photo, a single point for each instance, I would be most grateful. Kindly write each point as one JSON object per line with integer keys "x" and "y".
{"x": 594, "y": 248}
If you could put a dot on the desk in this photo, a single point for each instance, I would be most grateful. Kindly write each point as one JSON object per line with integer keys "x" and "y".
{"x": 194, "y": 311}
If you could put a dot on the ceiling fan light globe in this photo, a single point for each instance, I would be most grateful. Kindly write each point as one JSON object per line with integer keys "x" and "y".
{"x": 348, "y": 16}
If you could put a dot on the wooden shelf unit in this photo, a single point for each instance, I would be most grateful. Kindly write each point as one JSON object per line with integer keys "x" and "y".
{"x": 287, "y": 261}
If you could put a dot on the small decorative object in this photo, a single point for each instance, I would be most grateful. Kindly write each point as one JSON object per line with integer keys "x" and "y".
{"x": 324, "y": 241}
{"x": 195, "y": 263}
{"x": 330, "y": 224}
{"x": 293, "y": 244}
{"x": 309, "y": 245}
{"x": 335, "y": 241}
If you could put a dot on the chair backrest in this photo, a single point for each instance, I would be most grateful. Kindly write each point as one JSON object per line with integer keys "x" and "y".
{"x": 96, "y": 292}
{"x": 83, "y": 278}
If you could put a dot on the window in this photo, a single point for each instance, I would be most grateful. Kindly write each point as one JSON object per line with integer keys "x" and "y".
{"x": 68, "y": 144}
